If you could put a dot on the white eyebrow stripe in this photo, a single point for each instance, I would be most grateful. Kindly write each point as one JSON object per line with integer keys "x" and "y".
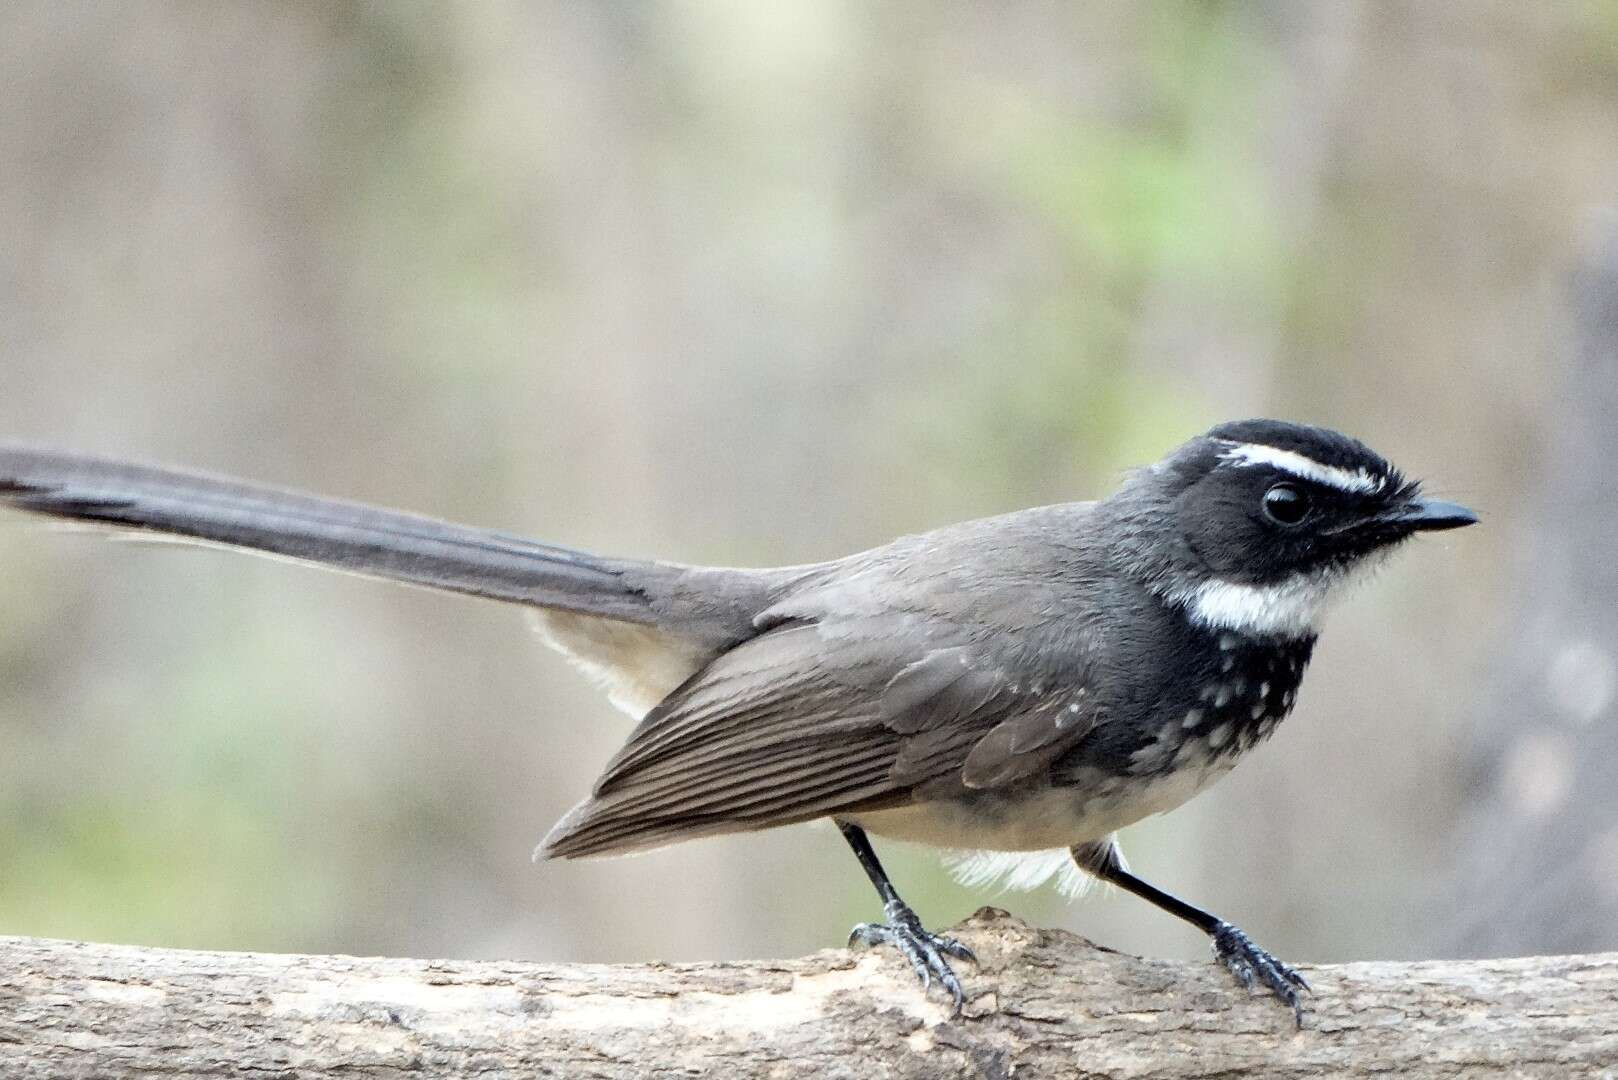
{"x": 1305, "y": 468}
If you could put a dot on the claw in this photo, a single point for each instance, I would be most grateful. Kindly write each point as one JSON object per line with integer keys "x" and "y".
{"x": 924, "y": 950}
{"x": 1246, "y": 961}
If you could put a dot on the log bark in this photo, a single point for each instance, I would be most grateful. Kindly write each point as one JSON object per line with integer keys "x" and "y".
{"x": 1041, "y": 1004}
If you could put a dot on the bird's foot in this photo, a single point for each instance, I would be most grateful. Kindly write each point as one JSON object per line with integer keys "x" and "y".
{"x": 925, "y": 950}
{"x": 1248, "y": 962}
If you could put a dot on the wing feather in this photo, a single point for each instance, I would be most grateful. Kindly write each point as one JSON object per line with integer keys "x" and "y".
{"x": 819, "y": 718}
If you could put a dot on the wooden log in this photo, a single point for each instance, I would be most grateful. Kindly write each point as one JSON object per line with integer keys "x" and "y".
{"x": 1041, "y": 1004}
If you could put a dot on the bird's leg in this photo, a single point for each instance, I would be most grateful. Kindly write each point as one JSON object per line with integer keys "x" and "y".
{"x": 926, "y": 951}
{"x": 1234, "y": 949}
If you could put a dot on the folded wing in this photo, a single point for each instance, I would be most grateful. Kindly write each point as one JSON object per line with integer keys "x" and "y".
{"x": 820, "y": 718}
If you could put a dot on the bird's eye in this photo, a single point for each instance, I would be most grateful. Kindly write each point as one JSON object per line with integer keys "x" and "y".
{"x": 1286, "y": 504}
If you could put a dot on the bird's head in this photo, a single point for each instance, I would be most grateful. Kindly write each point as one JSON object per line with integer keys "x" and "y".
{"x": 1254, "y": 525}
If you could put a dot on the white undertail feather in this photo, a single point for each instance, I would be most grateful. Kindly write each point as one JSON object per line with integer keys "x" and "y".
{"x": 638, "y": 666}
{"x": 1017, "y": 871}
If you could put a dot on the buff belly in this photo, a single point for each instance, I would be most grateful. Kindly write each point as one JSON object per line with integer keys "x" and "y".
{"x": 1053, "y": 817}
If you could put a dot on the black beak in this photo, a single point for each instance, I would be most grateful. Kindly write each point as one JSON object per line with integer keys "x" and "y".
{"x": 1430, "y": 515}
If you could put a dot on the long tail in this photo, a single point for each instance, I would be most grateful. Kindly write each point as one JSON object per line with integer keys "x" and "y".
{"x": 344, "y": 535}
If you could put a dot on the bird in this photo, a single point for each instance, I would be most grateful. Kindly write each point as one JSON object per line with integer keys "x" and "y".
{"x": 1015, "y": 685}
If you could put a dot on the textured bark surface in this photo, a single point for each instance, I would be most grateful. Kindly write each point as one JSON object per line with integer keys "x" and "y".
{"x": 1043, "y": 1003}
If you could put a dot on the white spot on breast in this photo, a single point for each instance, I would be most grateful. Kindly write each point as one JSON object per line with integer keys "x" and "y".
{"x": 1192, "y": 719}
{"x": 1256, "y": 711}
{"x": 1222, "y": 698}
{"x": 1217, "y": 737}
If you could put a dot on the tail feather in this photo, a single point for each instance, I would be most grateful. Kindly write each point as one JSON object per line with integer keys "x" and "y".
{"x": 344, "y": 535}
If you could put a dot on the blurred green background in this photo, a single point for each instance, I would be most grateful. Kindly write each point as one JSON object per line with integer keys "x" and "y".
{"x": 739, "y": 283}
